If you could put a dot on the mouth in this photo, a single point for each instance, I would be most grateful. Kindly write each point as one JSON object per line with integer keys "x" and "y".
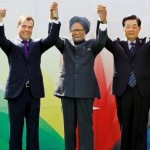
{"x": 132, "y": 34}
{"x": 77, "y": 36}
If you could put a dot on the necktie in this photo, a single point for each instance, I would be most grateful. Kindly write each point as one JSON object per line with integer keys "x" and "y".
{"x": 132, "y": 79}
{"x": 132, "y": 48}
{"x": 26, "y": 48}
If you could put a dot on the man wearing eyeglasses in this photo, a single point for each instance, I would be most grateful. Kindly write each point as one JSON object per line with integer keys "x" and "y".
{"x": 131, "y": 80}
{"x": 77, "y": 85}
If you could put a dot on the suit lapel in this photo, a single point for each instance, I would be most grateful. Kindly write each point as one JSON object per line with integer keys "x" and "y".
{"x": 125, "y": 46}
{"x": 18, "y": 42}
{"x": 139, "y": 43}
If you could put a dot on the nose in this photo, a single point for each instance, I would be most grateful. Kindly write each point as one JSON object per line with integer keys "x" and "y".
{"x": 77, "y": 32}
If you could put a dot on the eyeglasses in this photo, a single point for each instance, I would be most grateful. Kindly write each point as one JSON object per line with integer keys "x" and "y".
{"x": 133, "y": 27}
{"x": 74, "y": 31}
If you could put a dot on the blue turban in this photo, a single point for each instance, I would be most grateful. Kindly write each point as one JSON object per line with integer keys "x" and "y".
{"x": 82, "y": 20}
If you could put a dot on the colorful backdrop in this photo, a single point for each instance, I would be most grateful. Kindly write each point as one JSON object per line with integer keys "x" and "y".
{"x": 105, "y": 122}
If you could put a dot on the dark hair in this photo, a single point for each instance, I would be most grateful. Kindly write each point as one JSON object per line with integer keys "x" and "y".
{"x": 131, "y": 17}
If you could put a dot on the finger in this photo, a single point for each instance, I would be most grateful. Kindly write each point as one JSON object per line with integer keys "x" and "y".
{"x": 55, "y": 3}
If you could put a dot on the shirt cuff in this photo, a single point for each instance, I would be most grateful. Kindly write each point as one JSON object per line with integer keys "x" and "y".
{"x": 1, "y": 23}
{"x": 55, "y": 21}
{"x": 103, "y": 27}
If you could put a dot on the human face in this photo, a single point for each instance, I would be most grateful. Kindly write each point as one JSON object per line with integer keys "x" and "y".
{"x": 131, "y": 30}
{"x": 25, "y": 29}
{"x": 77, "y": 32}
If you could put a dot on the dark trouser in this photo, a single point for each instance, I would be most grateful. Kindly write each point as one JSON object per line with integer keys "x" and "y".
{"x": 133, "y": 112}
{"x": 24, "y": 106}
{"x": 78, "y": 112}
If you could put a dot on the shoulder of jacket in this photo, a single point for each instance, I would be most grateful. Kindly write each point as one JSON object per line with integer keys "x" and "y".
{"x": 35, "y": 40}
{"x": 146, "y": 40}
{"x": 65, "y": 38}
{"x": 116, "y": 39}
{"x": 119, "y": 40}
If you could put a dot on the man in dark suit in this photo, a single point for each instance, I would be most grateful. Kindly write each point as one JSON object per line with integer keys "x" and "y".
{"x": 131, "y": 81}
{"x": 25, "y": 83}
{"x": 77, "y": 84}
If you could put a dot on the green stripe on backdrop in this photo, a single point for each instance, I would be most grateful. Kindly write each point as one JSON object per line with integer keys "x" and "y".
{"x": 49, "y": 138}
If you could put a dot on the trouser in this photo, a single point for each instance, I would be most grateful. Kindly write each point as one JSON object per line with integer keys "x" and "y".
{"x": 20, "y": 108}
{"x": 133, "y": 110}
{"x": 77, "y": 112}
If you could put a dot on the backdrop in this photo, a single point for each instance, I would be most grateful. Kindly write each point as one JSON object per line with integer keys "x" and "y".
{"x": 105, "y": 122}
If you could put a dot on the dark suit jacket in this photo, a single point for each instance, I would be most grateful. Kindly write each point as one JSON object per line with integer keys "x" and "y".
{"x": 124, "y": 63}
{"x": 20, "y": 68}
{"x": 77, "y": 78}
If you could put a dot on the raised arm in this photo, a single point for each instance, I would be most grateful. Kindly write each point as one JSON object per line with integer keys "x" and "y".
{"x": 102, "y": 13}
{"x": 102, "y": 23}
{"x": 53, "y": 31}
{"x": 2, "y": 14}
{"x": 101, "y": 34}
{"x": 4, "y": 43}
{"x": 53, "y": 17}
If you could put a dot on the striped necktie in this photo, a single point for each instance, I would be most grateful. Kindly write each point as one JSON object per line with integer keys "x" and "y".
{"x": 132, "y": 79}
{"x": 132, "y": 45}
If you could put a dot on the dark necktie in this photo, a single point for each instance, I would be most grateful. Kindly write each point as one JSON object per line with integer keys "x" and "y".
{"x": 132, "y": 79}
{"x": 132, "y": 48}
{"x": 26, "y": 48}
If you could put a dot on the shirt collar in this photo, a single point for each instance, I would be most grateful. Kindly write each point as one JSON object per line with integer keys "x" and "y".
{"x": 21, "y": 39}
{"x": 129, "y": 42}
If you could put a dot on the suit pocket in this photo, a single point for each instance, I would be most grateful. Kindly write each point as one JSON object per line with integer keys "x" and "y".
{"x": 85, "y": 51}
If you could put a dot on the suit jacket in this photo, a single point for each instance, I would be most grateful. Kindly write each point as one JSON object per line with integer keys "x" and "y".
{"x": 77, "y": 78}
{"x": 124, "y": 63}
{"x": 20, "y": 69}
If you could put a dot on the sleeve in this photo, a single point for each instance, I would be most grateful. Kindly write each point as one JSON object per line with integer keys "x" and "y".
{"x": 99, "y": 42}
{"x": 5, "y": 44}
{"x": 99, "y": 29}
{"x": 51, "y": 39}
{"x": 59, "y": 42}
